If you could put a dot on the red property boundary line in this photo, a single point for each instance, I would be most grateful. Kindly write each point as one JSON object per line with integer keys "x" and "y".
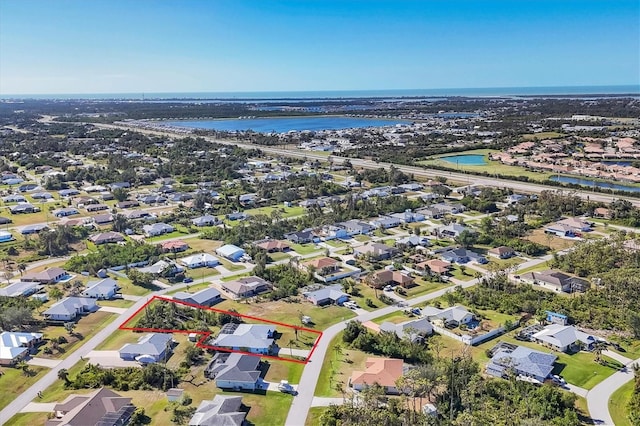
{"x": 206, "y": 334}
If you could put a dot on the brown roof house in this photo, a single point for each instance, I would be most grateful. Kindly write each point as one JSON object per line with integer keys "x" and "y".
{"x": 246, "y": 287}
{"x": 48, "y": 276}
{"x": 556, "y": 281}
{"x": 106, "y": 238}
{"x": 383, "y": 371}
{"x": 436, "y": 266}
{"x": 101, "y": 407}
{"x": 376, "y": 251}
{"x": 381, "y": 278}
{"x": 323, "y": 265}
{"x": 272, "y": 246}
{"x": 502, "y": 252}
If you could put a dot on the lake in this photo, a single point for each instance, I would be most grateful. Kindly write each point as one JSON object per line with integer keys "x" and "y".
{"x": 286, "y": 124}
{"x": 466, "y": 160}
{"x": 594, "y": 183}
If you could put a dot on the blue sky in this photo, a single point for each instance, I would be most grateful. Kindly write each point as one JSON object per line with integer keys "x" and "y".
{"x": 116, "y": 46}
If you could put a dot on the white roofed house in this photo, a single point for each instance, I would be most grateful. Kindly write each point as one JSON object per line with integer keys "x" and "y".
{"x": 15, "y": 346}
{"x": 253, "y": 338}
{"x": 69, "y": 309}
{"x": 449, "y": 317}
{"x": 102, "y": 290}
{"x": 155, "y": 345}
{"x": 200, "y": 260}
{"x": 157, "y": 229}
{"x": 564, "y": 338}
{"x": 231, "y": 252}
{"x": 206, "y": 297}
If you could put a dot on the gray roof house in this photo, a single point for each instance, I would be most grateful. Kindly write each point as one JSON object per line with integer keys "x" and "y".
{"x": 106, "y": 238}
{"x": 556, "y": 281}
{"x": 157, "y": 229}
{"x": 524, "y": 362}
{"x": 101, "y": 407}
{"x": 252, "y": 338}
{"x": 156, "y": 345}
{"x": 246, "y": 287}
{"x": 206, "y": 297}
{"x": 48, "y": 276}
{"x": 222, "y": 410}
{"x": 69, "y": 308}
{"x": 234, "y": 371}
{"x": 103, "y": 289}
{"x": 453, "y": 316}
{"x": 206, "y": 220}
{"x": 15, "y": 346}
{"x": 356, "y": 227}
{"x": 327, "y": 295}
{"x": 451, "y": 230}
{"x": 414, "y": 329}
{"x": 21, "y": 288}
{"x": 563, "y": 337}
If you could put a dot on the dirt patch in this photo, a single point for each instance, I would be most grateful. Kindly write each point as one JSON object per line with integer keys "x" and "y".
{"x": 550, "y": 240}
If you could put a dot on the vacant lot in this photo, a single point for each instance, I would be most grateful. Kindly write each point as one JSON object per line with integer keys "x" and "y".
{"x": 337, "y": 368}
{"x": 85, "y": 328}
{"x": 13, "y": 382}
{"x": 549, "y": 240}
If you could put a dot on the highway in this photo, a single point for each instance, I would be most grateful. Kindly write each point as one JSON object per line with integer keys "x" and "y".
{"x": 419, "y": 172}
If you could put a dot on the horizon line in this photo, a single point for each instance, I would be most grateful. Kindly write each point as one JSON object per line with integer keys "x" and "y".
{"x": 635, "y": 86}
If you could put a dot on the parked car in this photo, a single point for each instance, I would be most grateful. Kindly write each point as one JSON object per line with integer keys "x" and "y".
{"x": 388, "y": 288}
{"x": 285, "y": 387}
{"x": 187, "y": 280}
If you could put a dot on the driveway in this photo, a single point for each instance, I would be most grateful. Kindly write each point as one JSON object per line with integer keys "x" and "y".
{"x": 598, "y": 397}
{"x": 39, "y": 407}
{"x": 110, "y": 359}
{"x": 44, "y": 362}
{"x": 113, "y": 309}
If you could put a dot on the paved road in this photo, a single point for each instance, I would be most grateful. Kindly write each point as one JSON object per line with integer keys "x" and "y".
{"x": 599, "y": 396}
{"x": 306, "y": 389}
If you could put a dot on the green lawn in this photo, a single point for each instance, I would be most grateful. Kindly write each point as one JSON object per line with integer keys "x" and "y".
{"x": 229, "y": 265}
{"x": 337, "y": 368}
{"x": 313, "y": 418}
{"x": 235, "y": 277}
{"x": 362, "y": 238}
{"x": 266, "y": 410}
{"x": 285, "y": 211}
{"x": 117, "y": 339}
{"x": 424, "y": 287}
{"x": 631, "y": 347}
{"x": 28, "y": 419}
{"x": 118, "y": 303}
{"x": 274, "y": 257}
{"x": 85, "y": 328}
{"x": 619, "y": 403}
{"x": 456, "y": 272}
{"x": 13, "y": 382}
{"x": 336, "y": 243}
{"x": 304, "y": 249}
{"x": 284, "y": 370}
{"x": 158, "y": 238}
{"x": 540, "y": 267}
{"x": 579, "y": 369}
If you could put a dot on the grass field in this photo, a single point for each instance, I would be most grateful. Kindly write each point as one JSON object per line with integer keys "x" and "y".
{"x": 555, "y": 242}
{"x": 118, "y": 303}
{"x": 28, "y": 419}
{"x": 285, "y": 211}
{"x": 619, "y": 402}
{"x": 313, "y": 418}
{"x": 304, "y": 249}
{"x": 542, "y": 135}
{"x": 13, "y": 382}
{"x": 337, "y": 368}
{"x": 284, "y": 370}
{"x": 85, "y": 328}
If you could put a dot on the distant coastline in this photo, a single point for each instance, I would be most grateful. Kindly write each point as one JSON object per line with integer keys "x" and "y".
{"x": 552, "y": 91}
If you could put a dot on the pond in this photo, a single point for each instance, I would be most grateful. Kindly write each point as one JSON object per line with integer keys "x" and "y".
{"x": 595, "y": 183}
{"x": 466, "y": 160}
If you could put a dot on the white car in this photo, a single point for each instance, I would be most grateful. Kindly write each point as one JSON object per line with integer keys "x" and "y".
{"x": 388, "y": 288}
{"x": 285, "y": 387}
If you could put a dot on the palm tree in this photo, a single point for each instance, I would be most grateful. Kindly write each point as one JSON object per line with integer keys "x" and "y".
{"x": 63, "y": 374}
{"x": 291, "y": 342}
{"x": 22, "y": 267}
{"x": 598, "y": 347}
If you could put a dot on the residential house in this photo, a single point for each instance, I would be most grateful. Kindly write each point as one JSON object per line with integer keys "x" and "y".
{"x": 206, "y": 297}
{"x": 20, "y": 289}
{"x": 231, "y": 252}
{"x": 96, "y": 207}
{"x": 119, "y": 185}
{"x": 414, "y": 329}
{"x": 323, "y": 265}
{"x": 408, "y": 216}
{"x": 15, "y": 346}
{"x": 246, "y": 287}
{"x": 412, "y": 241}
{"x": 329, "y": 295}
{"x": 564, "y": 338}
{"x": 69, "y": 211}
{"x": 377, "y": 251}
{"x": 14, "y": 198}
{"x": 33, "y": 229}
{"x": 602, "y": 212}
{"x": 237, "y": 216}
{"x": 222, "y": 410}
{"x": 382, "y": 371}
{"x": 102, "y": 290}
{"x": 106, "y": 238}
{"x": 5, "y": 236}
{"x": 102, "y": 219}
{"x": 556, "y": 318}
{"x": 156, "y": 229}
{"x": 461, "y": 255}
{"x": 100, "y": 407}
{"x": 452, "y": 230}
{"x": 48, "y": 276}
{"x": 174, "y": 246}
{"x": 252, "y": 338}
{"x": 516, "y": 198}
{"x": 247, "y": 199}
{"x": 273, "y": 246}
{"x": 206, "y": 220}
{"x": 23, "y": 208}
{"x": 300, "y": 237}
{"x": 127, "y": 204}
{"x": 569, "y": 227}
{"x": 435, "y": 266}
{"x": 155, "y": 345}
{"x": 502, "y": 252}
{"x": 138, "y": 214}
{"x": 234, "y": 371}
{"x": 450, "y": 317}
{"x": 69, "y": 308}
{"x": 386, "y": 222}
{"x": 68, "y": 192}
{"x": 162, "y": 266}
{"x": 388, "y": 277}
{"x": 200, "y": 260}
{"x": 523, "y": 362}
{"x": 556, "y": 281}
{"x": 431, "y": 212}
{"x": 450, "y": 208}
{"x": 356, "y": 227}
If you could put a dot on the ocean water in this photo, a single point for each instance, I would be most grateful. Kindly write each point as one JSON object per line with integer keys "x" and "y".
{"x": 466, "y": 160}
{"x": 285, "y": 124}
{"x": 595, "y": 183}
{"x": 348, "y": 94}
